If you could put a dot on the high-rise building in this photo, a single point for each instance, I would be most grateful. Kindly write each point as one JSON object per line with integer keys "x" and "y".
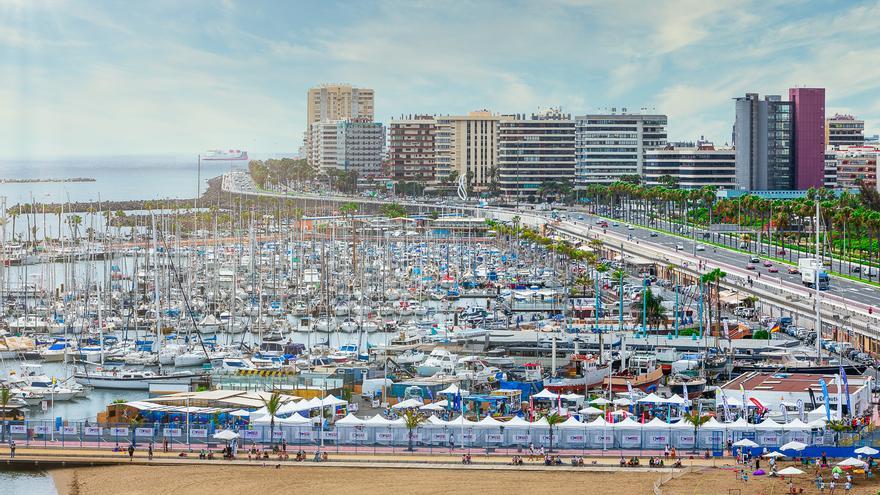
{"x": 692, "y": 167}
{"x": 533, "y": 150}
{"x": 844, "y": 130}
{"x": 322, "y": 149}
{"x": 852, "y": 165}
{"x": 809, "y": 136}
{"x": 351, "y": 145}
{"x": 335, "y": 102}
{"x": 360, "y": 144}
{"x": 468, "y": 146}
{"x": 411, "y": 153}
{"x": 762, "y": 134}
{"x": 339, "y": 102}
{"x": 610, "y": 146}
{"x": 830, "y": 181}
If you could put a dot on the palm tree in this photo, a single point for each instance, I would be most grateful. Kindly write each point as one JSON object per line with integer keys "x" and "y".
{"x": 553, "y": 419}
{"x": 654, "y": 312}
{"x": 709, "y": 278}
{"x": 838, "y": 427}
{"x": 698, "y": 420}
{"x": 5, "y": 398}
{"x": 412, "y": 420}
{"x": 273, "y": 404}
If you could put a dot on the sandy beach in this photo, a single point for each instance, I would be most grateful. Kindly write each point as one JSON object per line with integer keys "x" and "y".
{"x": 197, "y": 480}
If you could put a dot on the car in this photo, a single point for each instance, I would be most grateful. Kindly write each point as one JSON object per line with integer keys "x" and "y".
{"x": 754, "y": 259}
{"x": 600, "y": 222}
{"x": 793, "y": 270}
{"x": 781, "y": 252}
{"x": 856, "y": 269}
{"x": 630, "y": 227}
{"x": 615, "y": 224}
{"x": 767, "y": 263}
{"x": 654, "y": 234}
{"x": 700, "y": 247}
{"x": 750, "y": 266}
{"x": 773, "y": 269}
{"x": 706, "y": 235}
{"x": 679, "y": 247}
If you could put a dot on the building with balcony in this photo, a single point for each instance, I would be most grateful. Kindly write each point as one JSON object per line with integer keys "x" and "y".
{"x": 411, "y": 148}
{"x": 335, "y": 102}
{"x": 844, "y": 130}
{"x": 852, "y": 165}
{"x": 535, "y": 150}
{"x": 809, "y": 136}
{"x": 467, "y": 146}
{"x": 355, "y": 145}
{"x": 613, "y": 145}
{"x": 692, "y": 167}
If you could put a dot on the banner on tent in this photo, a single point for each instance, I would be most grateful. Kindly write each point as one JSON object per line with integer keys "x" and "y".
{"x": 198, "y": 433}
{"x": 468, "y": 437}
{"x": 329, "y": 435}
{"x": 630, "y": 439}
{"x": 119, "y": 432}
{"x": 384, "y": 436}
{"x": 770, "y": 439}
{"x": 658, "y": 438}
{"x": 686, "y": 439}
{"x": 493, "y": 438}
{"x": 304, "y": 435}
{"x": 252, "y": 434}
{"x": 544, "y": 438}
{"x": 576, "y": 438}
{"x": 520, "y": 438}
{"x": 41, "y": 429}
{"x": 359, "y": 435}
{"x": 143, "y": 432}
{"x": 277, "y": 435}
{"x": 438, "y": 437}
{"x": 68, "y": 430}
{"x": 18, "y": 429}
{"x": 172, "y": 432}
{"x": 603, "y": 438}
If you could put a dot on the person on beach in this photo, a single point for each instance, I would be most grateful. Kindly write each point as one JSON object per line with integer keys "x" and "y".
{"x": 12, "y": 450}
{"x": 150, "y": 451}
{"x": 130, "y": 452}
{"x": 666, "y": 452}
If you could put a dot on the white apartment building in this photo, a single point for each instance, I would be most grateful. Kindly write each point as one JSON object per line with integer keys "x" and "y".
{"x": 610, "y": 146}
{"x": 692, "y": 167}
{"x": 350, "y": 145}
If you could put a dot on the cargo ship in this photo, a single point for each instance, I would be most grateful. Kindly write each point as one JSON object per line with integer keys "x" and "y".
{"x": 225, "y": 155}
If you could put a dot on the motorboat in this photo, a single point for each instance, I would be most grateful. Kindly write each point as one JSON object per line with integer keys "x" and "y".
{"x": 125, "y": 379}
{"x": 440, "y": 360}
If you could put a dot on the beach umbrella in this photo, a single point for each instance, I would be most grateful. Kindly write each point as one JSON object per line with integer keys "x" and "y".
{"x": 796, "y": 446}
{"x": 225, "y": 435}
{"x": 745, "y": 442}
{"x": 790, "y": 471}
{"x": 852, "y": 461}
{"x": 774, "y": 454}
{"x": 241, "y": 413}
{"x": 867, "y": 451}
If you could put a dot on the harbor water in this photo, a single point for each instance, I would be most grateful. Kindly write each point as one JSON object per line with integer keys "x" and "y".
{"x": 26, "y": 482}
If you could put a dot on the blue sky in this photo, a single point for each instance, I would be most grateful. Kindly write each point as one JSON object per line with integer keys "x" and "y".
{"x": 132, "y": 77}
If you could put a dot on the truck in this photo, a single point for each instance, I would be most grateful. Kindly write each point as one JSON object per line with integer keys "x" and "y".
{"x": 809, "y": 268}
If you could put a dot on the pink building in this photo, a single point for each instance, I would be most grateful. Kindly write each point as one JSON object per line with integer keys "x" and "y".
{"x": 809, "y": 136}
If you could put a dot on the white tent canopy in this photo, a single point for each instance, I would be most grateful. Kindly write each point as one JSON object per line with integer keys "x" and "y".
{"x": 790, "y": 471}
{"x": 591, "y": 410}
{"x": 852, "y": 461}
{"x": 623, "y": 402}
{"x": 408, "y": 404}
{"x": 600, "y": 401}
{"x": 436, "y": 406}
{"x": 350, "y": 420}
{"x": 796, "y": 446}
{"x": 867, "y": 451}
{"x": 745, "y": 442}
{"x": 226, "y": 435}
{"x": 545, "y": 394}
{"x": 652, "y": 398}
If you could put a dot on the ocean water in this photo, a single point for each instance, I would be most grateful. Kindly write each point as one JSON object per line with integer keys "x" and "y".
{"x": 26, "y": 482}
{"x": 117, "y": 177}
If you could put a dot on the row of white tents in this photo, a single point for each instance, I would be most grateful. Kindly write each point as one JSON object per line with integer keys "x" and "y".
{"x": 490, "y": 432}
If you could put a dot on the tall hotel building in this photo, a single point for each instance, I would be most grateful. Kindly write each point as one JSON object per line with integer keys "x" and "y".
{"x": 844, "y": 130}
{"x": 693, "y": 167}
{"x": 533, "y": 150}
{"x": 335, "y": 102}
{"x": 610, "y": 146}
{"x": 809, "y": 136}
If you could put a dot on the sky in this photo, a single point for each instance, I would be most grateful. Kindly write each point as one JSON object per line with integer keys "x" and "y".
{"x": 101, "y": 77}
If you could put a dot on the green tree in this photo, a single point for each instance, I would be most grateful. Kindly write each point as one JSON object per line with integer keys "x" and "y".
{"x": 698, "y": 420}
{"x": 412, "y": 420}
{"x": 272, "y": 404}
{"x": 5, "y": 399}
{"x": 553, "y": 419}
